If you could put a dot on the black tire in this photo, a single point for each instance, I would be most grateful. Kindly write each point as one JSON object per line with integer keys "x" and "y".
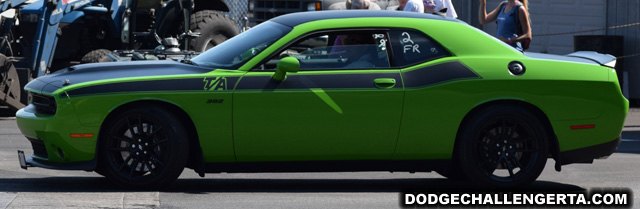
{"x": 214, "y": 29}
{"x": 502, "y": 147}
{"x": 96, "y": 56}
{"x": 143, "y": 148}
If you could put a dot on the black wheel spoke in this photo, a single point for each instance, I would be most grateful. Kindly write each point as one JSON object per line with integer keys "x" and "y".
{"x": 492, "y": 138}
{"x": 124, "y": 163}
{"x": 508, "y": 165}
{"x": 513, "y": 129}
{"x": 517, "y": 161}
{"x": 503, "y": 128}
{"x": 156, "y": 160}
{"x": 524, "y": 139}
{"x": 159, "y": 143}
{"x": 139, "y": 125}
{"x": 121, "y": 138}
{"x": 134, "y": 165}
{"x": 130, "y": 127}
{"x": 495, "y": 166}
{"x": 120, "y": 149}
{"x": 485, "y": 149}
{"x": 154, "y": 132}
{"x": 149, "y": 167}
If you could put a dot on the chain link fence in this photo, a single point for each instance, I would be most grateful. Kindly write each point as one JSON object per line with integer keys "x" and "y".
{"x": 238, "y": 11}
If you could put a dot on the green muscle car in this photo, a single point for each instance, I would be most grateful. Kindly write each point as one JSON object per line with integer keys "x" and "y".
{"x": 331, "y": 91}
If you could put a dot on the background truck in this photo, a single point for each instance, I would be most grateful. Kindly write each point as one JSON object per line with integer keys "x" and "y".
{"x": 38, "y": 37}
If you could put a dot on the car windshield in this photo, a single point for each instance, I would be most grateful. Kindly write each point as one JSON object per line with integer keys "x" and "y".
{"x": 234, "y": 52}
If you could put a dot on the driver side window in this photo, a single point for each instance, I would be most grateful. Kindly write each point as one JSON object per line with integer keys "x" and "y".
{"x": 338, "y": 50}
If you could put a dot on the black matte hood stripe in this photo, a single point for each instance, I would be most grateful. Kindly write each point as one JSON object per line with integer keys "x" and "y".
{"x": 437, "y": 74}
{"x": 112, "y": 70}
{"x": 334, "y": 81}
{"x": 188, "y": 84}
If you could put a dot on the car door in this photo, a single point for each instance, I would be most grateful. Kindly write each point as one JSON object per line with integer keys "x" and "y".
{"x": 345, "y": 103}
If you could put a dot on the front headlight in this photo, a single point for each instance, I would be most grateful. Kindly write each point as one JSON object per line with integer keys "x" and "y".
{"x": 314, "y": 6}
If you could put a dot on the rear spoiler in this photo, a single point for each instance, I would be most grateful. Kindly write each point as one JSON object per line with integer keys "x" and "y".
{"x": 602, "y": 59}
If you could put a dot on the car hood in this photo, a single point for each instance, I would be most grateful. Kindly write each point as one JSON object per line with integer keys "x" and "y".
{"x": 110, "y": 70}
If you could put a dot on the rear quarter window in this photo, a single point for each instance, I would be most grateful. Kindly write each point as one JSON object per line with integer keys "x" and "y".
{"x": 411, "y": 47}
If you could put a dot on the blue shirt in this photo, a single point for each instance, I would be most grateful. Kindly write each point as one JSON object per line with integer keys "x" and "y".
{"x": 507, "y": 24}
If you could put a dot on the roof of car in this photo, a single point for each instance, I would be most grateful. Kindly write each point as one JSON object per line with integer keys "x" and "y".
{"x": 298, "y": 18}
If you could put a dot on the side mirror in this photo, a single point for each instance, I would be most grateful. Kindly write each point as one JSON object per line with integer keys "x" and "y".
{"x": 286, "y": 65}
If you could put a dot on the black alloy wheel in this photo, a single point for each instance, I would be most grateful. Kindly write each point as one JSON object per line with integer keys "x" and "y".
{"x": 503, "y": 146}
{"x": 144, "y": 148}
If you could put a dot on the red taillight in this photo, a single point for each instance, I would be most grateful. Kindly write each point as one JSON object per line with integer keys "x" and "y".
{"x": 81, "y": 135}
{"x": 583, "y": 126}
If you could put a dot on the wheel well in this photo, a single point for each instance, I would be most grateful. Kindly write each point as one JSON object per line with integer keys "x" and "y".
{"x": 195, "y": 160}
{"x": 554, "y": 149}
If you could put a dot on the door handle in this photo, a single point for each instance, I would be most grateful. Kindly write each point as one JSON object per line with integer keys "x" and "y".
{"x": 385, "y": 83}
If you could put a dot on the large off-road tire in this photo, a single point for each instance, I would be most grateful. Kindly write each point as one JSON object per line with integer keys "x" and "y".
{"x": 214, "y": 28}
{"x": 502, "y": 147}
{"x": 11, "y": 92}
{"x": 143, "y": 148}
{"x": 95, "y": 56}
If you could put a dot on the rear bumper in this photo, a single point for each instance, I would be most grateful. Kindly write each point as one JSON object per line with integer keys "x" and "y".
{"x": 588, "y": 154}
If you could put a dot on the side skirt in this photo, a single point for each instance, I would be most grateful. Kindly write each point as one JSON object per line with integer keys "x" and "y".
{"x": 328, "y": 166}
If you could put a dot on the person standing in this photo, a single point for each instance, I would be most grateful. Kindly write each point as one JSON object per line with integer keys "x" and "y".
{"x": 434, "y": 6}
{"x": 512, "y": 16}
{"x": 411, "y": 6}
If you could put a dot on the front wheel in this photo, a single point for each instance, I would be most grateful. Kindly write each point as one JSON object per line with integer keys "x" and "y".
{"x": 143, "y": 148}
{"x": 503, "y": 146}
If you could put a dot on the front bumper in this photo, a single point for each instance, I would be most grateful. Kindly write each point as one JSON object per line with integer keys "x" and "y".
{"x": 588, "y": 154}
{"x": 26, "y": 162}
{"x": 53, "y": 146}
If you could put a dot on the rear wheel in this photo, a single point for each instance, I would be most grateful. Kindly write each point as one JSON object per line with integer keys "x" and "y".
{"x": 503, "y": 146}
{"x": 143, "y": 148}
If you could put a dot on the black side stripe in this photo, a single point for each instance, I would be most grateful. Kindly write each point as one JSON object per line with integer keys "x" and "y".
{"x": 438, "y": 74}
{"x": 189, "y": 84}
{"x": 333, "y": 81}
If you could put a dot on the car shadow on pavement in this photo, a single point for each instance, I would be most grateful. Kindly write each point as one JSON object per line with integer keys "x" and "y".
{"x": 350, "y": 185}
{"x": 225, "y": 185}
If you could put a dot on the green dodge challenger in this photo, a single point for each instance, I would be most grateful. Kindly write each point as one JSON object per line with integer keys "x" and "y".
{"x": 331, "y": 91}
